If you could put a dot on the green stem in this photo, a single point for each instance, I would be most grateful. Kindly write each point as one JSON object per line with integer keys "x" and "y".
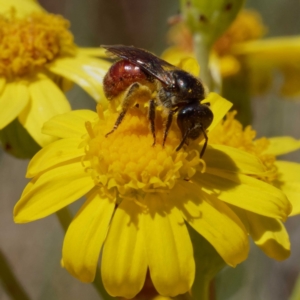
{"x": 10, "y": 282}
{"x": 202, "y": 290}
{"x": 202, "y": 50}
{"x": 236, "y": 90}
{"x": 65, "y": 217}
{"x": 296, "y": 292}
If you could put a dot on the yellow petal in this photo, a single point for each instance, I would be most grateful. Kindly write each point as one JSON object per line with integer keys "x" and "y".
{"x": 52, "y": 191}
{"x": 86, "y": 72}
{"x": 54, "y": 154}
{"x": 85, "y": 237}
{"x": 232, "y": 159}
{"x": 219, "y": 106}
{"x": 215, "y": 221}
{"x": 270, "y": 235}
{"x": 100, "y": 52}
{"x": 124, "y": 261}
{"x": 182, "y": 59}
{"x": 245, "y": 192}
{"x": 169, "y": 248}
{"x": 289, "y": 182}
{"x": 23, "y": 7}
{"x": 47, "y": 100}
{"x": 13, "y": 99}
{"x": 229, "y": 65}
{"x": 282, "y": 145}
{"x": 271, "y": 50}
{"x": 69, "y": 125}
{"x": 174, "y": 55}
{"x": 190, "y": 65}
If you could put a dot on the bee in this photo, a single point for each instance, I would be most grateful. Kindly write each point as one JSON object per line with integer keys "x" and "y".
{"x": 139, "y": 73}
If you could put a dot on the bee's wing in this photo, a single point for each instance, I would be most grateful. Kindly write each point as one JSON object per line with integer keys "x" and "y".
{"x": 147, "y": 61}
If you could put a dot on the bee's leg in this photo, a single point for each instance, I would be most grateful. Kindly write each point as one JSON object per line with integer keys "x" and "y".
{"x": 118, "y": 122}
{"x": 205, "y": 143}
{"x": 186, "y": 134}
{"x": 151, "y": 117}
{"x": 168, "y": 125}
{"x": 127, "y": 102}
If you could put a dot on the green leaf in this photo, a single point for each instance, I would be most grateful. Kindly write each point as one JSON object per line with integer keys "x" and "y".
{"x": 15, "y": 140}
{"x": 296, "y": 292}
{"x": 208, "y": 264}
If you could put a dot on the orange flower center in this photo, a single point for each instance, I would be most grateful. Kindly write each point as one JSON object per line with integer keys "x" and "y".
{"x": 127, "y": 160}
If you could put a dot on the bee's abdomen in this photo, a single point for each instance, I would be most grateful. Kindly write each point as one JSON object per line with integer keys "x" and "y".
{"x": 120, "y": 76}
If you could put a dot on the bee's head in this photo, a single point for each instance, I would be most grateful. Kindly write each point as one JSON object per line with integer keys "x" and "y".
{"x": 193, "y": 119}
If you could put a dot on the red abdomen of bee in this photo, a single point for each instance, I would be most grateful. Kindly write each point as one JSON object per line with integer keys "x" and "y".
{"x": 120, "y": 76}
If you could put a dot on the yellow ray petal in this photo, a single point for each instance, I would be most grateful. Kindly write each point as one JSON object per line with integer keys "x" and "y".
{"x": 85, "y": 237}
{"x": 174, "y": 55}
{"x": 86, "y": 72}
{"x": 215, "y": 221}
{"x": 289, "y": 182}
{"x": 23, "y": 7}
{"x": 282, "y": 145}
{"x": 245, "y": 192}
{"x": 100, "y": 52}
{"x": 54, "y": 154}
{"x": 169, "y": 248}
{"x": 182, "y": 59}
{"x": 228, "y": 64}
{"x": 232, "y": 159}
{"x": 270, "y": 235}
{"x": 47, "y": 101}
{"x": 52, "y": 191}
{"x": 13, "y": 99}
{"x": 219, "y": 106}
{"x": 124, "y": 261}
{"x": 271, "y": 50}
{"x": 69, "y": 125}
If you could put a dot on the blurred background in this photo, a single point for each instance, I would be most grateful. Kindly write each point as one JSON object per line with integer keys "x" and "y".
{"x": 34, "y": 250}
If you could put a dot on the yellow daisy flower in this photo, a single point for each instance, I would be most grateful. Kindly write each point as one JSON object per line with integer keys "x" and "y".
{"x": 38, "y": 59}
{"x": 247, "y": 26}
{"x": 269, "y": 235}
{"x": 140, "y": 198}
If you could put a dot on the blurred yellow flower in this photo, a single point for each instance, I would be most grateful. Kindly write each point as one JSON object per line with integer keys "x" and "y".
{"x": 139, "y": 198}
{"x": 266, "y": 56}
{"x": 242, "y": 50}
{"x": 246, "y": 27}
{"x": 272, "y": 238}
{"x": 38, "y": 59}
